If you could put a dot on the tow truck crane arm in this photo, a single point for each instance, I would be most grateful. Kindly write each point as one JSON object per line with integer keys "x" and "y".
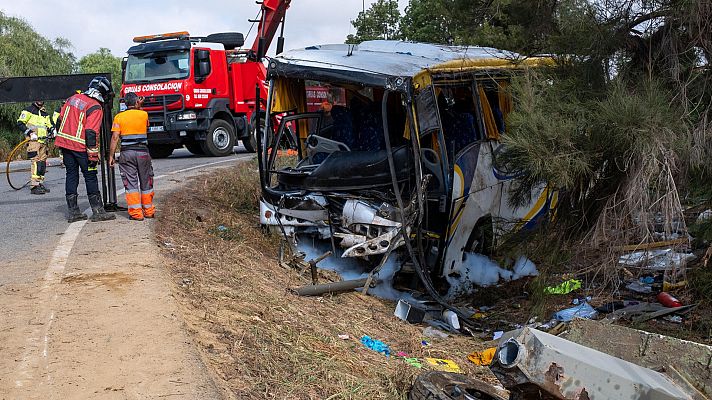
{"x": 273, "y": 12}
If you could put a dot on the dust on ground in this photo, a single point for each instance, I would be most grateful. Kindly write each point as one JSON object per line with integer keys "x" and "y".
{"x": 261, "y": 339}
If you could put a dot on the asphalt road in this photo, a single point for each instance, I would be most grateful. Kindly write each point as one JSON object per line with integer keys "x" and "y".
{"x": 30, "y": 225}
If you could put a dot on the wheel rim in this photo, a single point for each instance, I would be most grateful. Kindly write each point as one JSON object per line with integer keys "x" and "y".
{"x": 221, "y": 138}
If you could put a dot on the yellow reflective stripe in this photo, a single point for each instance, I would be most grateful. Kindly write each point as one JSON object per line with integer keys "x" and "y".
{"x": 71, "y": 137}
{"x": 64, "y": 121}
{"x": 80, "y": 125}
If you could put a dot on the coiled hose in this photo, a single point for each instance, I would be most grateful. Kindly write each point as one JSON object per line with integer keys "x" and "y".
{"x": 11, "y": 157}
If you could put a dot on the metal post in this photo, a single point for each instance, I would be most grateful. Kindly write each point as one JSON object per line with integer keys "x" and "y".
{"x": 108, "y": 174}
{"x": 258, "y": 136}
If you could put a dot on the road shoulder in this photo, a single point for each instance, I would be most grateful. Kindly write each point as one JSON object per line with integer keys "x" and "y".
{"x": 106, "y": 326}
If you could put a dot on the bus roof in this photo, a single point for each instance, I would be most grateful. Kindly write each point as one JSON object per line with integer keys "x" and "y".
{"x": 382, "y": 62}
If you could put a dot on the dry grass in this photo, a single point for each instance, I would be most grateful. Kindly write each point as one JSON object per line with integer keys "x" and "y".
{"x": 263, "y": 341}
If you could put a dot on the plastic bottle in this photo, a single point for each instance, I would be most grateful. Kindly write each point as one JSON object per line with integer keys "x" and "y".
{"x": 667, "y": 300}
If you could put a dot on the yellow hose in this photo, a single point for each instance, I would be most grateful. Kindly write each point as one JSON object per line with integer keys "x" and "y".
{"x": 10, "y": 157}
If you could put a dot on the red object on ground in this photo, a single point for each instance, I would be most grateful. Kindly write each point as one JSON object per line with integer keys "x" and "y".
{"x": 667, "y": 300}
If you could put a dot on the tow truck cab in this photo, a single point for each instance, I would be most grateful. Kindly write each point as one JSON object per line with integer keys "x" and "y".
{"x": 198, "y": 92}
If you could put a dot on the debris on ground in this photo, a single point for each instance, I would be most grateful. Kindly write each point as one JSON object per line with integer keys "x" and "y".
{"x": 565, "y": 287}
{"x": 584, "y": 310}
{"x": 664, "y": 259}
{"x": 431, "y": 332}
{"x": 484, "y": 357}
{"x": 452, "y": 386}
{"x": 376, "y": 345}
{"x": 444, "y": 365}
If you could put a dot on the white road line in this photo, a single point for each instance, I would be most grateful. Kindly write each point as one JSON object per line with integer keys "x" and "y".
{"x": 46, "y": 297}
{"x": 33, "y": 356}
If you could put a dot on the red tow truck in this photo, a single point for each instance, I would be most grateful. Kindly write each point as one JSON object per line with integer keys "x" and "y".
{"x": 200, "y": 91}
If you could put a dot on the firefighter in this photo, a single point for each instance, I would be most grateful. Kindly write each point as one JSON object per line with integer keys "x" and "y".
{"x": 35, "y": 124}
{"x": 134, "y": 161}
{"x": 78, "y": 138}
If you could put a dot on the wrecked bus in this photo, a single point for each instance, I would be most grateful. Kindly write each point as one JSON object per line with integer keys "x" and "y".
{"x": 407, "y": 167}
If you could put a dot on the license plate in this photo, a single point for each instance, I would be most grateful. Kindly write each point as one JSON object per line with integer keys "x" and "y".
{"x": 155, "y": 129}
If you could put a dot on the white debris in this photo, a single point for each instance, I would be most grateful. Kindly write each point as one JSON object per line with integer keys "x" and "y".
{"x": 352, "y": 268}
{"x": 704, "y": 216}
{"x": 480, "y": 270}
{"x": 524, "y": 267}
{"x": 656, "y": 259}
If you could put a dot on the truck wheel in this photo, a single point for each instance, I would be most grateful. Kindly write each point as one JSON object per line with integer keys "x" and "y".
{"x": 220, "y": 139}
{"x": 195, "y": 148}
{"x": 160, "y": 150}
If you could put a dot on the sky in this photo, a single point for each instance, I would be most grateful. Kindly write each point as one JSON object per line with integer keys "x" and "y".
{"x": 90, "y": 25}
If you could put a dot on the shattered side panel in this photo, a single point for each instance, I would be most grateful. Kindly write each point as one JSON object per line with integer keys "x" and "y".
{"x": 479, "y": 191}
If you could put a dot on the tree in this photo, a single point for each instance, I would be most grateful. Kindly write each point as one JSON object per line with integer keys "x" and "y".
{"x": 427, "y": 21}
{"x": 380, "y": 21}
{"x": 24, "y": 52}
{"x": 622, "y": 121}
{"x": 103, "y": 61}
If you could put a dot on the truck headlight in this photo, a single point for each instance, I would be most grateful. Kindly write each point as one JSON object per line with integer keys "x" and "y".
{"x": 187, "y": 115}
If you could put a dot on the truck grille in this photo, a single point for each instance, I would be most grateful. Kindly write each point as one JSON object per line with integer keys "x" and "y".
{"x": 157, "y": 101}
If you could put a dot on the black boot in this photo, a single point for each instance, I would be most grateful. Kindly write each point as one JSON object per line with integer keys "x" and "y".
{"x": 74, "y": 213}
{"x": 37, "y": 190}
{"x": 97, "y": 208}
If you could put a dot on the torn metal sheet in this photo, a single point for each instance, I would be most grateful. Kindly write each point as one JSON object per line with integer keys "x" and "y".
{"x": 533, "y": 362}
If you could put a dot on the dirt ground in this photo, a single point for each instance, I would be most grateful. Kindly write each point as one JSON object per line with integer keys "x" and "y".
{"x": 104, "y": 325}
{"x": 265, "y": 342}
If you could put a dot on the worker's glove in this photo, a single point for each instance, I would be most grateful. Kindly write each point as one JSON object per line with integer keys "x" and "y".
{"x": 33, "y": 136}
{"x": 93, "y": 165}
{"x": 51, "y": 132}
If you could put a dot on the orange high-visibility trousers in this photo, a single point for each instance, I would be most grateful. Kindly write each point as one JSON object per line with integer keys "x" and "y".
{"x": 137, "y": 175}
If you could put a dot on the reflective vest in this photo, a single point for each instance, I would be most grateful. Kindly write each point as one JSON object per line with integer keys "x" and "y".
{"x": 131, "y": 125}
{"x": 55, "y": 116}
{"x": 35, "y": 119}
{"x": 79, "y": 124}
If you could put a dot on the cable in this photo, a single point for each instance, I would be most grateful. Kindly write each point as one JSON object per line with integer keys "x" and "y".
{"x": 427, "y": 283}
{"x": 251, "y": 26}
